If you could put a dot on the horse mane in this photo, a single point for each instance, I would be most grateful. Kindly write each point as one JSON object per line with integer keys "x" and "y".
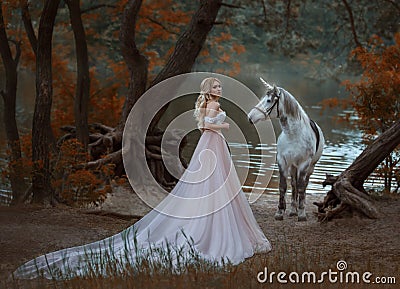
{"x": 291, "y": 106}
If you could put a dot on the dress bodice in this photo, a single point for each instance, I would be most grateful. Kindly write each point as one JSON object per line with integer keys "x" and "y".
{"x": 218, "y": 119}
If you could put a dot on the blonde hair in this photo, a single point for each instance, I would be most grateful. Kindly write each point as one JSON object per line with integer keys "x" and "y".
{"x": 201, "y": 102}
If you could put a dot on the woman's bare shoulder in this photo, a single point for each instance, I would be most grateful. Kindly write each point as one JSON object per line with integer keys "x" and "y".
{"x": 213, "y": 105}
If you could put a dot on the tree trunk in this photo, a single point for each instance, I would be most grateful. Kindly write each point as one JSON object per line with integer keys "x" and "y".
{"x": 42, "y": 137}
{"x": 181, "y": 61}
{"x": 9, "y": 97}
{"x": 347, "y": 189}
{"x": 136, "y": 62}
{"x": 26, "y": 18}
{"x": 191, "y": 42}
{"x": 138, "y": 67}
{"x": 83, "y": 80}
{"x": 188, "y": 46}
{"x": 109, "y": 140}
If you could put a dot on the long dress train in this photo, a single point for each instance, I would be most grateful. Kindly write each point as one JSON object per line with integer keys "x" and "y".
{"x": 206, "y": 215}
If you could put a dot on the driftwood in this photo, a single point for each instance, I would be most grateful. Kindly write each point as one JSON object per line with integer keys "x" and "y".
{"x": 347, "y": 191}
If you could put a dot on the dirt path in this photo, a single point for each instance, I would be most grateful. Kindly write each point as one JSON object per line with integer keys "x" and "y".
{"x": 365, "y": 244}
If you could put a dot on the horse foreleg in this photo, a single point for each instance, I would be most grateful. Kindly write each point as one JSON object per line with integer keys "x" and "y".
{"x": 293, "y": 176}
{"x": 282, "y": 192}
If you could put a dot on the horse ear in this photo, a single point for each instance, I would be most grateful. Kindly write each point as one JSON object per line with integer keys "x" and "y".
{"x": 268, "y": 86}
{"x": 276, "y": 90}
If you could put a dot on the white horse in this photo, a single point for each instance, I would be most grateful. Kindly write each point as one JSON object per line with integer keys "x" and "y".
{"x": 299, "y": 146}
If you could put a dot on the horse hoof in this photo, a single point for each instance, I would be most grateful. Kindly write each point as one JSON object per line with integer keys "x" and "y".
{"x": 279, "y": 215}
{"x": 292, "y": 214}
{"x": 302, "y": 218}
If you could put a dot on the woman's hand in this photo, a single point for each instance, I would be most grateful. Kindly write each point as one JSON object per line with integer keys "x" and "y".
{"x": 225, "y": 125}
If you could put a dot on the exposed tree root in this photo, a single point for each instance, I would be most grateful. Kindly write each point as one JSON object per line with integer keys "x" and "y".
{"x": 347, "y": 189}
{"x": 105, "y": 148}
{"x": 344, "y": 197}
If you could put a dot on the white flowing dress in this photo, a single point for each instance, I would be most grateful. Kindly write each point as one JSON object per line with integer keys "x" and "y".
{"x": 205, "y": 216}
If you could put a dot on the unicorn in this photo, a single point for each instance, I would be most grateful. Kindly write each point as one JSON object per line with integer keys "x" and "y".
{"x": 299, "y": 146}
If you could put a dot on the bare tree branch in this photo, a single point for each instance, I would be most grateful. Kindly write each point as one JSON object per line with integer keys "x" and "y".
{"x": 232, "y": 5}
{"x": 264, "y": 9}
{"x": 161, "y": 25}
{"x": 95, "y": 7}
{"x": 353, "y": 27}
{"x": 289, "y": 2}
{"x": 396, "y": 5}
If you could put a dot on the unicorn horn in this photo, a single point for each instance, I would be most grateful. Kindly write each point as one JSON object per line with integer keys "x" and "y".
{"x": 268, "y": 86}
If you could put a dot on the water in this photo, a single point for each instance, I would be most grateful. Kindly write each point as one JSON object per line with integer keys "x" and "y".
{"x": 334, "y": 160}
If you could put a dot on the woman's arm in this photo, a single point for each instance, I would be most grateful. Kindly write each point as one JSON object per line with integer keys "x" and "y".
{"x": 213, "y": 126}
{"x": 212, "y": 111}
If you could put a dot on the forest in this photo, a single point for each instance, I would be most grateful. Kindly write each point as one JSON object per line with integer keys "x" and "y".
{"x": 90, "y": 72}
{"x": 91, "y": 61}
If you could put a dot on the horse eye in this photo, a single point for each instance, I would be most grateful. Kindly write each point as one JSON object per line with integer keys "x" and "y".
{"x": 268, "y": 100}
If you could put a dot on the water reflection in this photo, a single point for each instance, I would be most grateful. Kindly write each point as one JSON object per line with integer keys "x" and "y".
{"x": 334, "y": 160}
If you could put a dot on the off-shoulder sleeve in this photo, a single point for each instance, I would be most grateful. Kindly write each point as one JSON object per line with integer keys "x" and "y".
{"x": 210, "y": 119}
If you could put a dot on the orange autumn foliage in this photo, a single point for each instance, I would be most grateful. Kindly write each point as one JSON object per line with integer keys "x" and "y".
{"x": 77, "y": 185}
{"x": 106, "y": 104}
{"x": 238, "y": 48}
{"x": 375, "y": 97}
{"x": 24, "y": 165}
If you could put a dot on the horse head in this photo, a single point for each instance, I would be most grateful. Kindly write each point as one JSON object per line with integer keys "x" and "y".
{"x": 268, "y": 105}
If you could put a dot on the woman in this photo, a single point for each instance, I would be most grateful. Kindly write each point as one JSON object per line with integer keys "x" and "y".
{"x": 205, "y": 217}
